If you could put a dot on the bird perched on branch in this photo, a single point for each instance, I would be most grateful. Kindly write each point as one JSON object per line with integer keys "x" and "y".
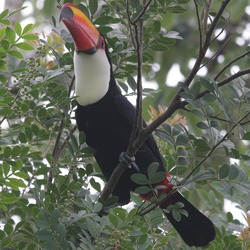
{"x": 106, "y": 117}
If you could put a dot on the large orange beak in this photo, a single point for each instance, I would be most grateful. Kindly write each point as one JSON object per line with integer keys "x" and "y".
{"x": 84, "y": 33}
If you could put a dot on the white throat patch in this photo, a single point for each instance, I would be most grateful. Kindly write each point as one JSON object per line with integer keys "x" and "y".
{"x": 92, "y": 74}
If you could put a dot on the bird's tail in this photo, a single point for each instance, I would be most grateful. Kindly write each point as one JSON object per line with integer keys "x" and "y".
{"x": 194, "y": 227}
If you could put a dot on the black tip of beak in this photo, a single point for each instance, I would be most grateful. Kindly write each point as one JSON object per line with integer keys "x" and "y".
{"x": 66, "y": 13}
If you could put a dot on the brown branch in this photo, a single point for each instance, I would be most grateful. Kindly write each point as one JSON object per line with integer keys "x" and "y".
{"x": 138, "y": 120}
{"x": 222, "y": 83}
{"x": 230, "y": 63}
{"x": 206, "y": 16}
{"x": 139, "y": 17}
{"x": 57, "y": 150}
{"x": 174, "y": 105}
{"x": 224, "y": 44}
{"x": 206, "y": 44}
{"x": 199, "y": 24}
{"x": 213, "y": 149}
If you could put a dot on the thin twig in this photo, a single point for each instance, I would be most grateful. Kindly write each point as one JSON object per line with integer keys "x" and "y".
{"x": 54, "y": 152}
{"x": 206, "y": 16}
{"x": 137, "y": 127}
{"x": 145, "y": 8}
{"x": 212, "y": 150}
{"x": 138, "y": 120}
{"x": 216, "y": 53}
{"x": 174, "y": 105}
{"x": 57, "y": 150}
{"x": 199, "y": 24}
{"x": 230, "y": 63}
{"x": 207, "y": 42}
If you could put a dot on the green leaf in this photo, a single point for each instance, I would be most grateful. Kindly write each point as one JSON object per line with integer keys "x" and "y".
{"x": 159, "y": 47}
{"x": 42, "y": 113}
{"x": 3, "y": 65}
{"x": 176, "y": 9}
{"x": 24, "y": 46}
{"x": 97, "y": 207}
{"x": 246, "y": 136}
{"x": 5, "y": 22}
{"x": 201, "y": 145}
{"x": 202, "y": 125}
{"x": 182, "y": 151}
{"x": 209, "y": 97}
{"x": 196, "y": 88}
{"x": 15, "y": 54}
{"x": 157, "y": 177}
{"x": 10, "y": 34}
{"x": 74, "y": 141}
{"x": 152, "y": 169}
{"x": 15, "y": 183}
{"x": 21, "y": 175}
{"x": 44, "y": 235}
{"x": 2, "y": 32}
{"x": 210, "y": 111}
{"x": 91, "y": 225}
{"x": 182, "y": 139}
{"x": 140, "y": 179}
{"x": 106, "y": 20}
{"x": 143, "y": 190}
{"x": 18, "y": 28}
{"x": 215, "y": 124}
{"x": 132, "y": 83}
{"x": 6, "y": 169}
{"x": 207, "y": 84}
{"x": 224, "y": 171}
{"x": 30, "y": 37}
{"x": 164, "y": 136}
{"x": 96, "y": 185}
{"x": 7, "y": 152}
{"x": 198, "y": 113}
{"x": 55, "y": 215}
{"x": 16, "y": 151}
{"x": 8, "y": 198}
{"x": 8, "y": 228}
{"x": 53, "y": 21}
{"x": 234, "y": 172}
{"x": 113, "y": 219}
{"x": 3, "y": 92}
{"x": 93, "y": 5}
{"x": 4, "y": 13}
{"x": 5, "y": 44}
{"x": 182, "y": 161}
{"x": 27, "y": 28}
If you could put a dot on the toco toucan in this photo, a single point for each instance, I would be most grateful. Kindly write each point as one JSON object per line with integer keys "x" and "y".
{"x": 106, "y": 117}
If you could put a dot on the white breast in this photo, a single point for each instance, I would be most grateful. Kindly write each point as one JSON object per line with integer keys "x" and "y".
{"x": 92, "y": 74}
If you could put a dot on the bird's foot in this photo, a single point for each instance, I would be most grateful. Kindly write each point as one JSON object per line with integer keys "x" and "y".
{"x": 129, "y": 160}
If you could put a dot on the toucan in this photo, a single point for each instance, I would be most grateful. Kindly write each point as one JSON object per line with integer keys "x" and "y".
{"x": 106, "y": 117}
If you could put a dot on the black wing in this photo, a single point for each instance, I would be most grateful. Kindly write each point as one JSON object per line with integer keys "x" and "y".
{"x": 127, "y": 112}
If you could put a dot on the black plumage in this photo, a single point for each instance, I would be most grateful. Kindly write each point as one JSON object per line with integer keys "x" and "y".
{"x": 107, "y": 124}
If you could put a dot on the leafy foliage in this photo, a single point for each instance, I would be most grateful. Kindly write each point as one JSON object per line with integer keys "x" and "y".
{"x": 49, "y": 180}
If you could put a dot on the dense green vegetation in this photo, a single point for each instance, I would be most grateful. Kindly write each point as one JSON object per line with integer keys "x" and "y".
{"x": 49, "y": 181}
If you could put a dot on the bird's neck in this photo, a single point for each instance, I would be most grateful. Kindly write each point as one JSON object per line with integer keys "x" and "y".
{"x": 92, "y": 74}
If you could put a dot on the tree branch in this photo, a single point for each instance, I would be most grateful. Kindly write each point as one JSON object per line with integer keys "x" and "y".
{"x": 57, "y": 150}
{"x": 213, "y": 149}
{"x": 199, "y": 24}
{"x": 230, "y": 63}
{"x": 138, "y": 120}
{"x": 222, "y": 83}
{"x": 175, "y": 104}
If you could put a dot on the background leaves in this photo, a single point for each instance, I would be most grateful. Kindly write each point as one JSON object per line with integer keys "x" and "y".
{"x": 46, "y": 168}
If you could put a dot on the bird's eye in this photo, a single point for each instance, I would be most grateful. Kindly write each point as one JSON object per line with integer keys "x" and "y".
{"x": 102, "y": 44}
